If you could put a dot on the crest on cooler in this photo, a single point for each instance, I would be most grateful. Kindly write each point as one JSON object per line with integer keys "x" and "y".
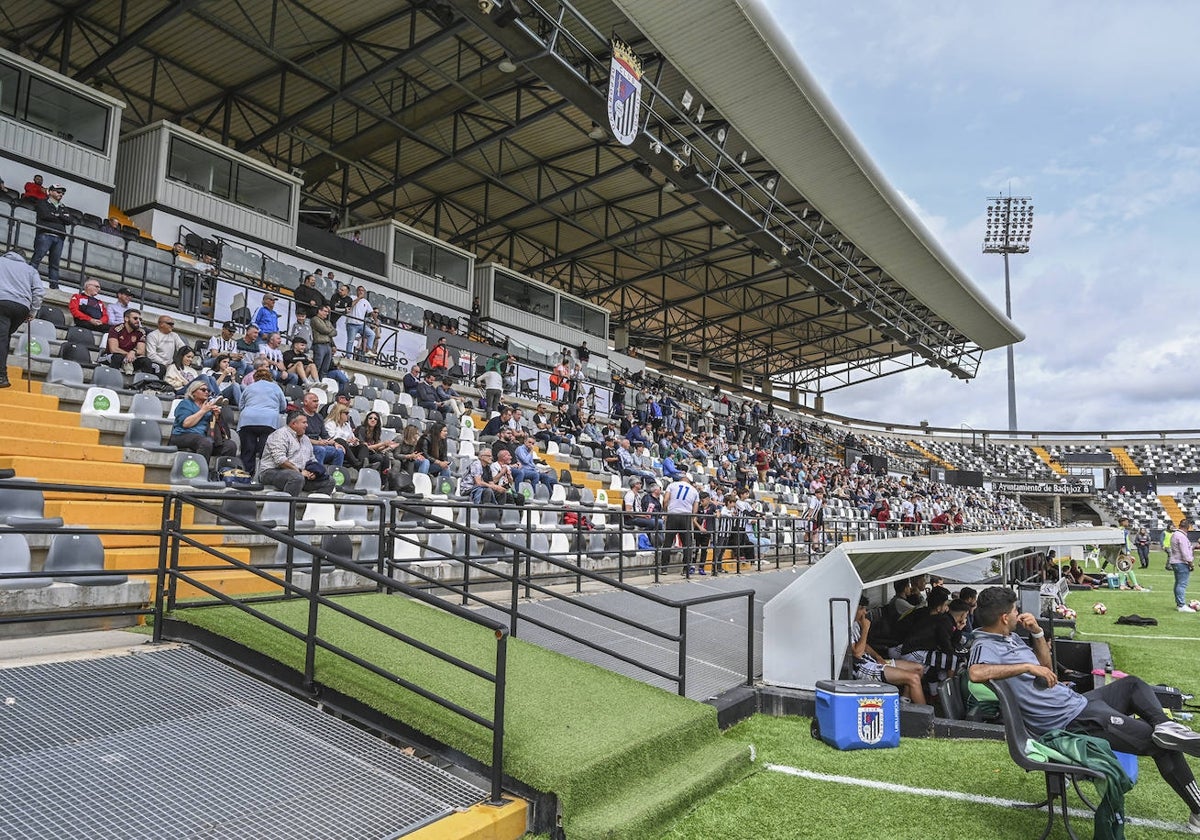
{"x": 870, "y": 720}
{"x": 624, "y": 92}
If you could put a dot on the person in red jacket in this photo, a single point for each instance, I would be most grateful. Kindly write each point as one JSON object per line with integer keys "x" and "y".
{"x": 88, "y": 310}
{"x": 34, "y": 189}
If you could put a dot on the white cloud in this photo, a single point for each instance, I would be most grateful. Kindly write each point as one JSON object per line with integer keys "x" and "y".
{"x": 1091, "y": 114}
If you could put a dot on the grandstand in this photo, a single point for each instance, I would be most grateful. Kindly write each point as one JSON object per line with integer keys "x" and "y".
{"x": 722, "y": 277}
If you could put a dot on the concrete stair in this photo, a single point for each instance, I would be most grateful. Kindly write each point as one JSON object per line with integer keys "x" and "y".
{"x": 925, "y": 453}
{"x": 1056, "y": 467}
{"x": 1126, "y": 463}
{"x": 43, "y": 442}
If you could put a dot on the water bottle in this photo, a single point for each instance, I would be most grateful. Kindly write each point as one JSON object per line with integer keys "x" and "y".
{"x": 1181, "y": 715}
{"x": 1108, "y": 672}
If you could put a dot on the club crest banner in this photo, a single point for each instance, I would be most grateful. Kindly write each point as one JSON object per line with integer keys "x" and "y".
{"x": 624, "y": 92}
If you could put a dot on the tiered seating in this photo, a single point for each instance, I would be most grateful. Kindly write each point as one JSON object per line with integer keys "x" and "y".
{"x": 992, "y": 460}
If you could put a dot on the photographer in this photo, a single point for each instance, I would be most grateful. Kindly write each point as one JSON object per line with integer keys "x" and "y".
{"x": 193, "y": 422}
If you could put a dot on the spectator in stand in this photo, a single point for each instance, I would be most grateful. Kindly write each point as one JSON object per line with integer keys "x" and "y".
{"x": 302, "y": 327}
{"x": 500, "y": 421}
{"x": 34, "y": 189}
{"x": 450, "y": 398}
{"x": 408, "y": 457}
{"x": 287, "y": 461}
{"x": 338, "y": 427}
{"x": 324, "y": 334}
{"x": 193, "y": 423}
{"x": 379, "y": 451}
{"x": 181, "y": 373}
{"x": 258, "y": 363}
{"x": 52, "y": 220}
{"x": 358, "y": 324}
{"x": 127, "y": 347}
{"x": 116, "y": 309}
{"x": 412, "y": 381}
{"x": 111, "y": 226}
{"x": 88, "y": 310}
{"x": 477, "y": 482}
{"x": 226, "y": 345}
{"x": 426, "y": 396}
{"x": 543, "y": 424}
{"x": 309, "y": 299}
{"x": 326, "y": 450}
{"x": 340, "y": 303}
{"x": 266, "y": 319}
{"x": 262, "y": 404}
{"x": 583, "y": 353}
{"x": 164, "y": 343}
{"x": 526, "y": 467}
{"x": 492, "y": 384}
{"x": 438, "y": 358}
{"x": 433, "y": 446}
{"x": 275, "y": 356}
{"x": 298, "y": 363}
{"x": 21, "y": 294}
{"x": 248, "y": 344}
{"x": 627, "y": 463}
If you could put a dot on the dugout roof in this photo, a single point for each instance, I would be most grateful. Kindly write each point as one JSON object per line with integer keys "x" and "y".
{"x": 754, "y": 234}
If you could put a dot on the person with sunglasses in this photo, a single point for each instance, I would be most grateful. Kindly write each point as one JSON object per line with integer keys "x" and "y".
{"x": 127, "y": 346}
{"x": 193, "y": 420}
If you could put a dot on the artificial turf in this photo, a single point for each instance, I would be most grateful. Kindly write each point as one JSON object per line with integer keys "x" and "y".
{"x": 630, "y": 761}
{"x": 772, "y": 806}
{"x": 590, "y": 736}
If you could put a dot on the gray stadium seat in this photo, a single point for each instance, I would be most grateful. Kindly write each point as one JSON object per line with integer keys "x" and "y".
{"x": 14, "y": 559}
{"x": 65, "y": 372}
{"x": 189, "y": 469}
{"x": 142, "y": 433}
{"x": 25, "y": 507}
{"x": 78, "y": 553}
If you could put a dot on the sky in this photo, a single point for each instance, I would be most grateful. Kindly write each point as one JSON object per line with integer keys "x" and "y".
{"x": 1090, "y": 108}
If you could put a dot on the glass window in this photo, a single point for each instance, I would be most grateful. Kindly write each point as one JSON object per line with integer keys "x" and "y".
{"x": 200, "y": 168}
{"x": 263, "y": 193}
{"x": 580, "y": 316}
{"x": 453, "y": 268}
{"x": 594, "y": 322}
{"x": 413, "y": 253}
{"x": 570, "y": 313}
{"x": 9, "y": 77}
{"x": 521, "y": 295}
{"x": 66, "y": 114}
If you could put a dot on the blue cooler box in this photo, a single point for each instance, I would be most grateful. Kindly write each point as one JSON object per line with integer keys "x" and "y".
{"x": 1129, "y": 763}
{"x": 856, "y": 715}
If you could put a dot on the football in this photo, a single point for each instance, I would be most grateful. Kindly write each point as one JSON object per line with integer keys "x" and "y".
{"x": 1194, "y": 604}
{"x": 1099, "y": 608}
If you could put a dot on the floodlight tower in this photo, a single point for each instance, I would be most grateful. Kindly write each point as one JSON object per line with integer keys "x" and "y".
{"x": 1009, "y": 226}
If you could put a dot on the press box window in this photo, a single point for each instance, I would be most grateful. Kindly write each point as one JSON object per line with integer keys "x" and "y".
{"x": 66, "y": 114}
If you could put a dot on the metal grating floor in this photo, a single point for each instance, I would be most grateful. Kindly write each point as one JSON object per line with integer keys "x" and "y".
{"x": 173, "y": 744}
{"x": 716, "y": 632}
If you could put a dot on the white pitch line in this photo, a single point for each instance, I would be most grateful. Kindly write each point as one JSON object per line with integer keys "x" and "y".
{"x": 958, "y": 796}
{"x": 1135, "y": 638}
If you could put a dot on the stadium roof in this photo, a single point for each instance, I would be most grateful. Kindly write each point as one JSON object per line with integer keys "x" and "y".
{"x": 754, "y": 235}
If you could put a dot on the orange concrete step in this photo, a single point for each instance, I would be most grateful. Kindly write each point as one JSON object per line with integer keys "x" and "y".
{"x": 100, "y": 513}
{"x": 73, "y": 472}
{"x": 146, "y": 557}
{"x": 17, "y": 396}
{"x": 50, "y": 419}
{"x": 14, "y": 426}
{"x": 16, "y": 375}
{"x": 232, "y": 582}
{"x": 61, "y": 450}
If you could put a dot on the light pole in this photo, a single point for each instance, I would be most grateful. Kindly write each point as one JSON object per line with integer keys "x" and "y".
{"x": 1009, "y": 225}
